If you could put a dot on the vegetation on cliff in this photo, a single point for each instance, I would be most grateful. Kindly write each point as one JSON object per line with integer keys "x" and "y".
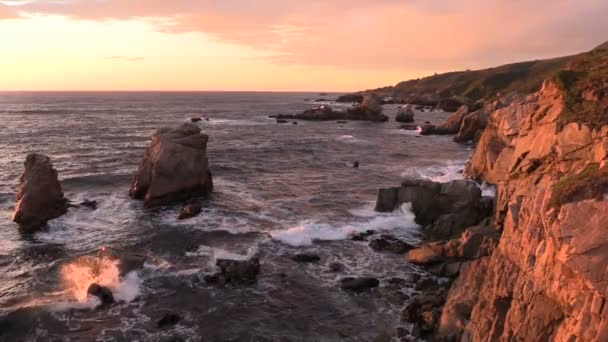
{"x": 584, "y": 82}
{"x": 592, "y": 182}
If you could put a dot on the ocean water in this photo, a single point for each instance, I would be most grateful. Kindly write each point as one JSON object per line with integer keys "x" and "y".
{"x": 280, "y": 189}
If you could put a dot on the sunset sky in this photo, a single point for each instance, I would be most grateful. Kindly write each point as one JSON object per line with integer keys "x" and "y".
{"x": 330, "y": 45}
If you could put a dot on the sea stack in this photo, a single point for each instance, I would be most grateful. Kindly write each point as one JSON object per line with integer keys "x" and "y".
{"x": 40, "y": 197}
{"x": 174, "y": 168}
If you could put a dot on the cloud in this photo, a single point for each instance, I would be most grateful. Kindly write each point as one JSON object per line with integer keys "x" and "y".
{"x": 414, "y": 34}
{"x": 8, "y": 12}
{"x": 125, "y": 58}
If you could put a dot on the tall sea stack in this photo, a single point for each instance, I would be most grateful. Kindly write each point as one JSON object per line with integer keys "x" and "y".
{"x": 174, "y": 168}
{"x": 40, "y": 197}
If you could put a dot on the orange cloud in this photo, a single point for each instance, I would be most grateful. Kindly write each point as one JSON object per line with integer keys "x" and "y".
{"x": 415, "y": 34}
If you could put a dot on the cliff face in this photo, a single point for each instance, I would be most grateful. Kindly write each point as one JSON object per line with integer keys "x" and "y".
{"x": 548, "y": 277}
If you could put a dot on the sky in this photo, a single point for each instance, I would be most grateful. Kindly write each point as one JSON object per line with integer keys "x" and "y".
{"x": 281, "y": 45}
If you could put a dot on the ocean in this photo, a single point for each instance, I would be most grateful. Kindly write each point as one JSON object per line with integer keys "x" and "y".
{"x": 280, "y": 189}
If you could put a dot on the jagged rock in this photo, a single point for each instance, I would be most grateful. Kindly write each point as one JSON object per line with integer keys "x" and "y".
{"x": 281, "y": 121}
{"x": 386, "y": 243}
{"x": 405, "y": 115}
{"x": 306, "y": 258}
{"x": 190, "y": 210}
{"x": 174, "y": 168}
{"x": 40, "y": 197}
{"x": 103, "y": 293}
{"x": 239, "y": 271}
{"x": 196, "y": 119}
{"x": 369, "y": 110}
{"x": 359, "y": 284}
{"x": 363, "y": 235}
{"x": 445, "y": 210}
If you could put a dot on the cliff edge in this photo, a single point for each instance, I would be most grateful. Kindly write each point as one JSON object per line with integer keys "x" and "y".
{"x": 547, "y": 154}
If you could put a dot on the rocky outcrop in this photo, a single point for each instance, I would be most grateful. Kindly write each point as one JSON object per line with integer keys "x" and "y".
{"x": 356, "y": 98}
{"x": 444, "y": 210}
{"x": 405, "y": 115}
{"x": 548, "y": 155}
{"x": 174, "y": 168}
{"x": 40, "y": 197}
{"x": 370, "y": 109}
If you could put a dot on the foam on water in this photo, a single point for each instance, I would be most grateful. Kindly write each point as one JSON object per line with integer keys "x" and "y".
{"x": 309, "y": 231}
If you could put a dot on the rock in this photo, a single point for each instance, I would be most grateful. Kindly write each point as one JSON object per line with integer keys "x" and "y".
{"x": 390, "y": 244}
{"x": 357, "y": 98}
{"x": 239, "y": 271}
{"x": 363, "y": 236}
{"x": 89, "y": 204}
{"x": 356, "y": 165}
{"x": 103, "y": 293}
{"x": 294, "y": 123}
{"x": 471, "y": 125}
{"x": 369, "y": 110}
{"x": 190, "y": 210}
{"x": 445, "y": 210}
{"x": 40, "y": 197}
{"x": 336, "y": 267}
{"x": 359, "y": 284}
{"x": 449, "y": 105}
{"x": 423, "y": 256}
{"x": 168, "y": 320}
{"x": 281, "y": 121}
{"x": 174, "y": 168}
{"x": 306, "y": 258}
{"x": 409, "y": 127}
{"x": 341, "y": 122}
{"x": 405, "y": 115}
{"x": 477, "y": 242}
{"x": 196, "y": 119}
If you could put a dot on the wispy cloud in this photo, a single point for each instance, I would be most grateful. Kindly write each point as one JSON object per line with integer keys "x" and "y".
{"x": 367, "y": 33}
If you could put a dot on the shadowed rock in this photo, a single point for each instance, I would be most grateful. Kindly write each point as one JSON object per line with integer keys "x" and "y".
{"x": 190, "y": 210}
{"x": 174, "y": 168}
{"x": 405, "y": 115}
{"x": 40, "y": 197}
{"x": 359, "y": 284}
{"x": 239, "y": 271}
{"x": 103, "y": 293}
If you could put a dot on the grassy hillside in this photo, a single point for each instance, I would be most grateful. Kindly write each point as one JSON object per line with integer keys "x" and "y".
{"x": 471, "y": 86}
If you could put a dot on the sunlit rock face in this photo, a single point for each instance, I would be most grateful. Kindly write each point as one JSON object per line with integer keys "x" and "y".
{"x": 174, "y": 168}
{"x": 547, "y": 278}
{"x": 40, "y": 197}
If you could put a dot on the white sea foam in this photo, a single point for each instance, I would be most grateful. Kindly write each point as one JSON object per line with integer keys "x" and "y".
{"x": 309, "y": 231}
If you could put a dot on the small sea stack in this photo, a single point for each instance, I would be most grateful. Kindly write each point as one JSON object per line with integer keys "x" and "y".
{"x": 174, "y": 168}
{"x": 40, "y": 197}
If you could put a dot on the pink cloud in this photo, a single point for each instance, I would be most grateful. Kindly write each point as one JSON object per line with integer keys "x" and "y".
{"x": 410, "y": 34}
{"x": 8, "y": 12}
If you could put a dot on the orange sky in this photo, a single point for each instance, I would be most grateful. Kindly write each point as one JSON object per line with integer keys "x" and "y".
{"x": 331, "y": 45}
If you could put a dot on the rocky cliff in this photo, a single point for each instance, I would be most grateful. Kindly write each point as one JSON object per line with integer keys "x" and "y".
{"x": 548, "y": 156}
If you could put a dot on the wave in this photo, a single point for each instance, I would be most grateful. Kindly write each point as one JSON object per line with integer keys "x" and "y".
{"x": 309, "y": 231}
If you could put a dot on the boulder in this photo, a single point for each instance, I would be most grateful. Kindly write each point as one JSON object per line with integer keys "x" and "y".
{"x": 281, "y": 121}
{"x": 190, "y": 210}
{"x": 405, "y": 115}
{"x": 363, "y": 235}
{"x": 239, "y": 271}
{"x": 306, "y": 258}
{"x": 174, "y": 168}
{"x": 196, "y": 119}
{"x": 103, "y": 293}
{"x": 40, "y": 197}
{"x": 471, "y": 126}
{"x": 359, "y": 284}
{"x": 386, "y": 243}
{"x": 423, "y": 256}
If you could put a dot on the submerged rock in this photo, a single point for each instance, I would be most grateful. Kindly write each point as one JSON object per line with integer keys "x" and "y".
{"x": 196, "y": 119}
{"x": 369, "y": 110}
{"x": 387, "y": 243}
{"x": 239, "y": 271}
{"x": 40, "y": 197}
{"x": 190, "y": 210}
{"x": 359, "y": 284}
{"x": 103, "y": 293}
{"x": 174, "y": 168}
{"x": 336, "y": 267}
{"x": 306, "y": 258}
{"x": 89, "y": 204}
{"x": 168, "y": 320}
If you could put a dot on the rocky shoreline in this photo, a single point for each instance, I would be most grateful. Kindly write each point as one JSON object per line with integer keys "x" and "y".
{"x": 533, "y": 269}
